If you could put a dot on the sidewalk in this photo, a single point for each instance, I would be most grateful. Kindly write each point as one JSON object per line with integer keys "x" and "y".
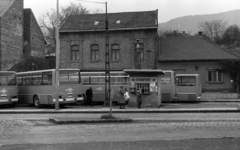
{"x": 203, "y": 107}
{"x": 207, "y": 107}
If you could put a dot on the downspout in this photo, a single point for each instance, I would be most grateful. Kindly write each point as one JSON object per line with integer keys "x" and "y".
{"x": 156, "y": 51}
{"x": 82, "y": 53}
{"x": 156, "y": 41}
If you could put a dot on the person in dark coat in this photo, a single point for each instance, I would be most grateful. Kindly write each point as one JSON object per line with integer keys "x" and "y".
{"x": 139, "y": 98}
{"x": 89, "y": 94}
{"x": 121, "y": 99}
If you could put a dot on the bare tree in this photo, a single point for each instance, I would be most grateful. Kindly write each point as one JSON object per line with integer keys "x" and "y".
{"x": 98, "y": 11}
{"x": 173, "y": 33}
{"x": 213, "y": 29}
{"x": 48, "y": 20}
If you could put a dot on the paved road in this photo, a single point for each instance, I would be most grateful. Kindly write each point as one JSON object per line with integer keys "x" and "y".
{"x": 14, "y": 129}
{"x": 135, "y": 116}
{"x": 194, "y": 144}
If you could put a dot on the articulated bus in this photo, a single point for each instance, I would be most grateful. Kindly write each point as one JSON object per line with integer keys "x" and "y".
{"x": 188, "y": 87}
{"x": 38, "y": 87}
{"x": 8, "y": 88}
{"x": 96, "y": 80}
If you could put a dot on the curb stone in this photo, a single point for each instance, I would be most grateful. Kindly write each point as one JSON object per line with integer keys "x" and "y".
{"x": 68, "y": 121}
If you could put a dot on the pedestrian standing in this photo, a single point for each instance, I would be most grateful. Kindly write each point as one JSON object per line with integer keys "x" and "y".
{"x": 89, "y": 94}
{"x": 121, "y": 99}
{"x": 126, "y": 96}
{"x": 139, "y": 98}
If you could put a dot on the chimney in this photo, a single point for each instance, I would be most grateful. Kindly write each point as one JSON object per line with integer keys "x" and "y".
{"x": 200, "y": 33}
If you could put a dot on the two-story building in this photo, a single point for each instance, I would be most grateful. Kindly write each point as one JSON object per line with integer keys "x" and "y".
{"x": 132, "y": 45}
{"x": 83, "y": 40}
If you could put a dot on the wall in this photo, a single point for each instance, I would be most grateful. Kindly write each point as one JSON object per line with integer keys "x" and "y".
{"x": 12, "y": 34}
{"x": 34, "y": 42}
{"x": 190, "y": 67}
{"x": 126, "y": 40}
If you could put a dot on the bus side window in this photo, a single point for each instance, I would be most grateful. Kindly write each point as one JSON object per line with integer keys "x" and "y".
{"x": 85, "y": 80}
{"x": 27, "y": 79}
{"x": 19, "y": 80}
{"x": 36, "y": 79}
{"x": 47, "y": 78}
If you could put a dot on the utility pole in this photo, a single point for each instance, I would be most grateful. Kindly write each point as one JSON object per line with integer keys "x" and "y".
{"x": 57, "y": 60}
{"x": 107, "y": 61}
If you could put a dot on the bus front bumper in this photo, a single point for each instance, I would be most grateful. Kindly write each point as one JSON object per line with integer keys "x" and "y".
{"x": 69, "y": 100}
{"x": 8, "y": 101}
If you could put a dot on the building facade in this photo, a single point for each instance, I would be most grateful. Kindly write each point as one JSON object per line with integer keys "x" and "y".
{"x": 82, "y": 41}
{"x": 11, "y": 32}
{"x": 197, "y": 55}
{"x": 34, "y": 41}
{"x": 132, "y": 45}
{"x": 19, "y": 34}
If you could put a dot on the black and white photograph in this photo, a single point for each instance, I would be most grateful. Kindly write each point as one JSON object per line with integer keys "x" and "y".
{"x": 119, "y": 74}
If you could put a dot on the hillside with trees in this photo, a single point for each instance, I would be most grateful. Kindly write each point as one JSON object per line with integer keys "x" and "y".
{"x": 189, "y": 24}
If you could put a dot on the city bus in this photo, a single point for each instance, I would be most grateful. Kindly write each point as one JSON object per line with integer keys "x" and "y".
{"x": 96, "y": 80}
{"x": 8, "y": 88}
{"x": 188, "y": 87}
{"x": 38, "y": 87}
{"x": 171, "y": 89}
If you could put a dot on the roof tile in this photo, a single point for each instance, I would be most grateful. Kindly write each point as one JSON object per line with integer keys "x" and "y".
{"x": 191, "y": 48}
{"x": 145, "y": 19}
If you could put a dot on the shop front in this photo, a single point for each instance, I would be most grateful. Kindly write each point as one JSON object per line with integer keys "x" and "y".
{"x": 148, "y": 82}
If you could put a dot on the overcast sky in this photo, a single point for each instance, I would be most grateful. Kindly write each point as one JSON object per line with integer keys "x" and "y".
{"x": 167, "y": 9}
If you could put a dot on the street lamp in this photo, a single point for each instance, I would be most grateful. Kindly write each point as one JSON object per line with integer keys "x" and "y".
{"x": 107, "y": 59}
{"x": 139, "y": 53}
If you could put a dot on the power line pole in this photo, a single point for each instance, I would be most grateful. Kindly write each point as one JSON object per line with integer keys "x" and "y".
{"x": 107, "y": 61}
{"x": 57, "y": 60}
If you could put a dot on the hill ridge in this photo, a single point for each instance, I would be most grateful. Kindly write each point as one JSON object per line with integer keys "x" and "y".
{"x": 189, "y": 23}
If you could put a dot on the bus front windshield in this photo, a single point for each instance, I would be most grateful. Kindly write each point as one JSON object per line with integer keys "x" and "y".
{"x": 186, "y": 81}
{"x": 7, "y": 79}
{"x": 69, "y": 77}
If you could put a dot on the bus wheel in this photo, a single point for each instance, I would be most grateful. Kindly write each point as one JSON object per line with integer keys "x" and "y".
{"x": 36, "y": 101}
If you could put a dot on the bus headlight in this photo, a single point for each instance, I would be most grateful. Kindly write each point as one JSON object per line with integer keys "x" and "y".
{"x": 199, "y": 97}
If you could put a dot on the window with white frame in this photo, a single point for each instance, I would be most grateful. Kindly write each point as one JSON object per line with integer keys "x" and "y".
{"x": 75, "y": 52}
{"x": 94, "y": 52}
{"x": 115, "y": 50}
{"x": 140, "y": 48}
{"x": 215, "y": 75}
{"x": 144, "y": 87}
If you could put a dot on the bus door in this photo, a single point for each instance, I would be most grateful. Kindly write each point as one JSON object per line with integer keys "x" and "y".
{"x": 167, "y": 86}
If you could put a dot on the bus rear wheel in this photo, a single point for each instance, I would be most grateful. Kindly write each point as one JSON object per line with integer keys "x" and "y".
{"x": 36, "y": 101}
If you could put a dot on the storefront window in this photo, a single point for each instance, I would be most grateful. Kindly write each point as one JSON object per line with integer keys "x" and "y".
{"x": 145, "y": 88}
